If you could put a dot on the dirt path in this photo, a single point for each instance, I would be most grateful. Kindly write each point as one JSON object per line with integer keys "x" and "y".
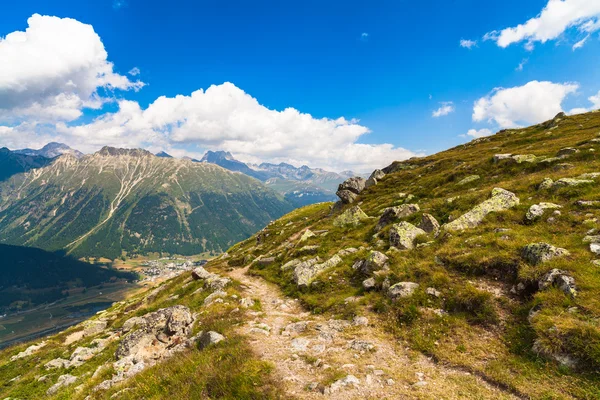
{"x": 316, "y": 358}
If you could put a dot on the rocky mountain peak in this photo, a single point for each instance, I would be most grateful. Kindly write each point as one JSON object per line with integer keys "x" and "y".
{"x": 108, "y": 151}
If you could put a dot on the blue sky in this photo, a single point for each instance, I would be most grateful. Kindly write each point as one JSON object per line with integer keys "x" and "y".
{"x": 389, "y": 64}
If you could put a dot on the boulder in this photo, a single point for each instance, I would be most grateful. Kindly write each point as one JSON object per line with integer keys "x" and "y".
{"x": 559, "y": 278}
{"x": 539, "y": 253}
{"x": 290, "y": 264}
{"x": 537, "y": 210}
{"x": 374, "y": 262}
{"x": 501, "y": 200}
{"x": 63, "y": 380}
{"x": 350, "y": 189}
{"x": 403, "y": 235}
{"x": 375, "y": 176}
{"x": 570, "y": 182}
{"x": 28, "y": 351}
{"x": 392, "y": 213}
{"x": 369, "y": 284}
{"x": 567, "y": 151}
{"x": 208, "y": 338}
{"x": 429, "y": 224}
{"x": 402, "y": 289}
{"x": 307, "y": 250}
{"x": 304, "y": 273}
{"x": 306, "y": 235}
{"x": 500, "y": 157}
{"x": 546, "y": 184}
{"x": 468, "y": 179}
{"x": 352, "y": 216}
{"x": 521, "y": 158}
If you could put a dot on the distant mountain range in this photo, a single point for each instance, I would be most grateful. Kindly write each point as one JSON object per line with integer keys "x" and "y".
{"x": 118, "y": 201}
{"x": 51, "y": 150}
{"x": 300, "y": 186}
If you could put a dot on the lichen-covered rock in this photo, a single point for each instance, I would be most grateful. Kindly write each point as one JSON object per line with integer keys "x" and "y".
{"x": 570, "y": 182}
{"x": 392, "y": 213}
{"x": 501, "y": 200}
{"x": 537, "y": 210}
{"x": 346, "y": 197}
{"x": 306, "y": 235}
{"x": 290, "y": 264}
{"x": 429, "y": 224}
{"x": 63, "y": 380}
{"x": 402, "y": 289}
{"x": 521, "y": 158}
{"x": 352, "y": 216}
{"x": 374, "y": 262}
{"x": 213, "y": 281}
{"x": 561, "y": 279}
{"x": 403, "y": 235}
{"x": 264, "y": 261}
{"x": 538, "y": 253}
{"x": 546, "y": 184}
{"x": 564, "y": 359}
{"x": 29, "y": 351}
{"x": 468, "y": 179}
{"x": 90, "y": 328}
{"x": 304, "y": 273}
{"x": 307, "y": 250}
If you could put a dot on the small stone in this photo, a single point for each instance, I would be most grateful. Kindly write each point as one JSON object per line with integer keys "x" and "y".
{"x": 433, "y": 292}
{"x": 559, "y": 278}
{"x": 369, "y": 284}
{"x": 210, "y": 338}
{"x": 402, "y": 289}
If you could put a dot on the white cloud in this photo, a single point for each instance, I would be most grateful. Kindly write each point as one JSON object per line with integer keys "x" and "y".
{"x": 224, "y": 117}
{"x": 478, "y": 133}
{"x": 53, "y": 70}
{"x": 522, "y": 64}
{"x": 595, "y": 100}
{"x": 446, "y": 108}
{"x": 135, "y": 71}
{"x": 531, "y": 103}
{"x": 364, "y": 36}
{"x": 556, "y": 17}
{"x": 468, "y": 44}
{"x": 580, "y": 44}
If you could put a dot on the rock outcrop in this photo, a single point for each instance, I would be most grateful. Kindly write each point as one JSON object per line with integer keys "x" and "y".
{"x": 349, "y": 190}
{"x": 537, "y": 210}
{"x": 501, "y": 200}
{"x": 374, "y": 178}
{"x": 403, "y": 235}
{"x": 430, "y": 225}
{"x": 392, "y": 213}
{"x": 352, "y": 216}
{"x": 560, "y": 279}
{"x": 304, "y": 273}
{"x": 539, "y": 253}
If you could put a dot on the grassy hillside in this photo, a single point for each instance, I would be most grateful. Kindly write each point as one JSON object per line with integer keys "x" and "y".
{"x": 499, "y": 318}
{"x": 119, "y": 201}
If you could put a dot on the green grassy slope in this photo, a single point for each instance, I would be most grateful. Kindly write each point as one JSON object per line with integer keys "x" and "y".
{"x": 119, "y": 201}
{"x": 485, "y": 327}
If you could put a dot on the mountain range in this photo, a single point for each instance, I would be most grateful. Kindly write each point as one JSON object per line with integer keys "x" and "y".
{"x": 121, "y": 201}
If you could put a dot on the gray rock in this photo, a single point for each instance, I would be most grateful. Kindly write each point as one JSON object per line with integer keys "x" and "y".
{"x": 538, "y": 253}
{"x": 208, "y": 338}
{"x": 214, "y": 296}
{"x": 433, "y": 292}
{"x": 63, "y": 380}
{"x": 403, "y": 235}
{"x": 521, "y": 158}
{"x": 561, "y": 279}
{"x": 338, "y": 385}
{"x": 546, "y": 184}
{"x": 350, "y": 188}
{"x": 361, "y": 345}
{"x": 291, "y": 264}
{"x": 537, "y": 210}
{"x": 375, "y": 176}
{"x": 468, "y": 179}
{"x": 305, "y": 272}
{"x": 500, "y": 157}
{"x": 567, "y": 151}
{"x": 570, "y": 182}
{"x": 402, "y": 289}
{"x": 264, "y": 261}
{"x": 307, "y": 250}
{"x": 501, "y": 200}
{"x": 295, "y": 328}
{"x": 300, "y": 344}
{"x": 564, "y": 359}
{"x": 374, "y": 262}
{"x": 369, "y": 284}
{"x": 306, "y": 235}
{"x": 430, "y": 225}
{"x": 360, "y": 321}
{"x": 392, "y": 213}
{"x": 352, "y": 216}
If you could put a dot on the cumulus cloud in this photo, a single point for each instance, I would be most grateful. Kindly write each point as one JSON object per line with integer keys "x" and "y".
{"x": 446, "y": 108}
{"x": 468, "y": 44}
{"x": 478, "y": 133}
{"x": 554, "y": 19}
{"x": 224, "y": 117}
{"x": 531, "y": 103}
{"x": 595, "y": 100}
{"x": 53, "y": 70}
